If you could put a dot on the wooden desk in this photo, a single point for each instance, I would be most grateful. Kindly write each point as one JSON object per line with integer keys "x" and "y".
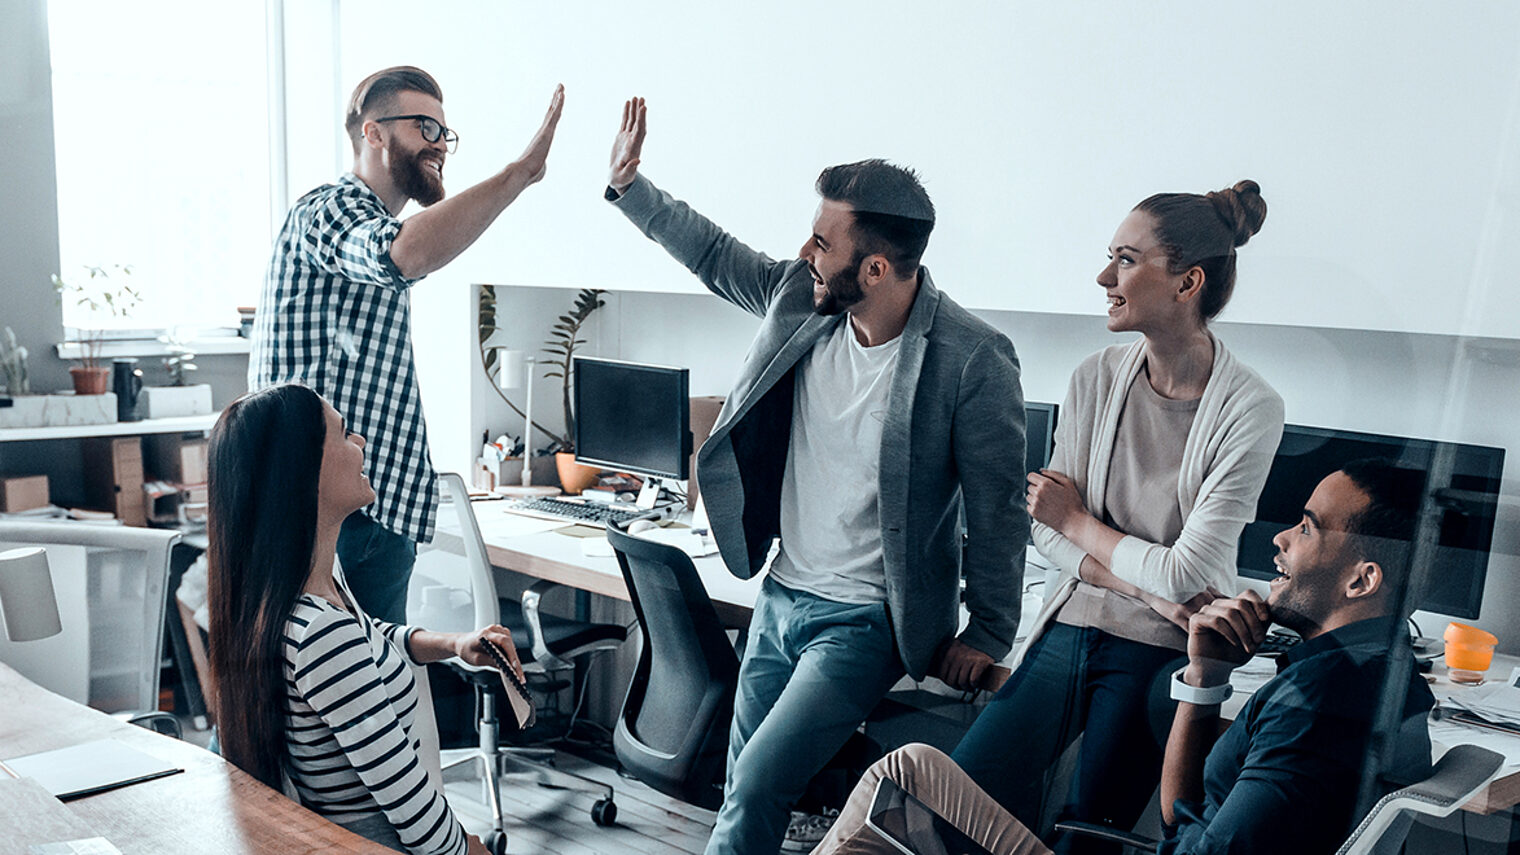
{"x": 210, "y": 807}
{"x": 558, "y": 558}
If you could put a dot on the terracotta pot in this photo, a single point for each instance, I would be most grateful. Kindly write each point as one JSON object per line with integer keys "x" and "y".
{"x": 574, "y": 477}
{"x": 90, "y": 381}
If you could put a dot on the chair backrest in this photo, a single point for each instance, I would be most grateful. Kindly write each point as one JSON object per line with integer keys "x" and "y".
{"x": 482, "y": 583}
{"x": 672, "y": 733}
{"x": 120, "y": 574}
{"x": 1460, "y": 773}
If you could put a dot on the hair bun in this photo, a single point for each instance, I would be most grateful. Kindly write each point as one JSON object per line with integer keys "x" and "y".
{"x": 1242, "y": 208}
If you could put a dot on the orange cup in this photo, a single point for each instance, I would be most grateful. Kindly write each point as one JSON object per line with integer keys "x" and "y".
{"x": 1469, "y": 652}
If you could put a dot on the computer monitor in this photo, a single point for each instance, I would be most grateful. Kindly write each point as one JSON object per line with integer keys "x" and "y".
{"x": 1468, "y": 499}
{"x": 632, "y": 418}
{"x": 1039, "y": 434}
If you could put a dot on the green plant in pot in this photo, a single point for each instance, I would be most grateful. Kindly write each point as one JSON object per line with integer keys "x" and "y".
{"x": 103, "y": 298}
{"x": 560, "y": 348}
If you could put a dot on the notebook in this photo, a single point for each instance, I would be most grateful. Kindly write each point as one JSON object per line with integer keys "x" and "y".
{"x": 518, "y": 699}
{"x": 89, "y": 768}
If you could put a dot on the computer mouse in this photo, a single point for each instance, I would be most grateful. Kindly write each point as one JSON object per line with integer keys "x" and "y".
{"x": 641, "y": 525}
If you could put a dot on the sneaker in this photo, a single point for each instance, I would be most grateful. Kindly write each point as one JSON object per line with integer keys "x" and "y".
{"x": 806, "y": 831}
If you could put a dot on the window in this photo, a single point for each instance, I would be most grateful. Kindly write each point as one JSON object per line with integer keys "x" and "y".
{"x": 161, "y": 130}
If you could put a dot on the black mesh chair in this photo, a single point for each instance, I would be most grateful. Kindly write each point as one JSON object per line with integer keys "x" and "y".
{"x": 545, "y": 643}
{"x": 673, "y": 731}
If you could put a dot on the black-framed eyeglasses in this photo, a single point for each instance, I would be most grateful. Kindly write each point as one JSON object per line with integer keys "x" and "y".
{"x": 431, "y": 130}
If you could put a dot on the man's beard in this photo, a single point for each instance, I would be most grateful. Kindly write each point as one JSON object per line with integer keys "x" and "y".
{"x": 414, "y": 178}
{"x": 842, "y": 290}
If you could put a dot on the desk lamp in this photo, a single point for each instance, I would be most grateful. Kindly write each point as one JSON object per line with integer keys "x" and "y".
{"x": 515, "y": 371}
{"x": 26, "y": 595}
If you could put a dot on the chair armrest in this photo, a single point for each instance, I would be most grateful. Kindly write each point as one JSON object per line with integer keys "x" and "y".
{"x": 158, "y": 722}
{"x": 531, "y": 600}
{"x": 1088, "y": 829}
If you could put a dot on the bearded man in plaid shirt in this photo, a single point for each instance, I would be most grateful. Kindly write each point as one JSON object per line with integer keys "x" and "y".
{"x": 335, "y": 310}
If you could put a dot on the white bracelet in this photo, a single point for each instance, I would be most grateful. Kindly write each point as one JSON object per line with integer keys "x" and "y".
{"x": 1206, "y": 697}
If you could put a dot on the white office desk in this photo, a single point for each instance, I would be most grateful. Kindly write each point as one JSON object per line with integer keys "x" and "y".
{"x": 512, "y": 546}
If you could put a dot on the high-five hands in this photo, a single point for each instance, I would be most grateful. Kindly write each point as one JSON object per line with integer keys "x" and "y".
{"x": 535, "y": 158}
{"x": 627, "y": 146}
{"x": 1223, "y": 635}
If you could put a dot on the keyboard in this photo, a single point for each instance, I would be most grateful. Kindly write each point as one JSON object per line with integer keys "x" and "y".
{"x": 1277, "y": 643}
{"x": 586, "y": 513}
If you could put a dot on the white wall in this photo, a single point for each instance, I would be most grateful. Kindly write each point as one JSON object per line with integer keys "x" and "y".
{"x": 1385, "y": 134}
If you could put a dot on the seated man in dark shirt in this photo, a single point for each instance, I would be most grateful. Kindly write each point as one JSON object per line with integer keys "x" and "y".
{"x": 1287, "y": 774}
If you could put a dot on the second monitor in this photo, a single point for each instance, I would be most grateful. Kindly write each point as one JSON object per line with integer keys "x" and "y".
{"x": 632, "y": 417}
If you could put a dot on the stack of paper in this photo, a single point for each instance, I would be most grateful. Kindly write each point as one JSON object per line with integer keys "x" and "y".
{"x": 1496, "y": 703}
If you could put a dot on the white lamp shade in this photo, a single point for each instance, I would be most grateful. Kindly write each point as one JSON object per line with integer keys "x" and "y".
{"x": 26, "y": 595}
{"x": 511, "y": 369}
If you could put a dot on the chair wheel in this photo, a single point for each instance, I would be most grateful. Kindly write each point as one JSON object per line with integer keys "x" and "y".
{"x": 604, "y": 812}
{"x": 496, "y": 841}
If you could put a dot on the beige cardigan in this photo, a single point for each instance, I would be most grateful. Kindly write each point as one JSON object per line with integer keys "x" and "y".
{"x": 1224, "y": 466}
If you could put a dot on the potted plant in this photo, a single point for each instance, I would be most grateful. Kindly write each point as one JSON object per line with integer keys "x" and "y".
{"x": 560, "y": 347}
{"x": 103, "y": 299}
{"x": 180, "y": 397}
{"x": 564, "y": 337}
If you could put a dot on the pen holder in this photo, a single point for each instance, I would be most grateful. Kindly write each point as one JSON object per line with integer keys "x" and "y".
{"x": 1469, "y": 652}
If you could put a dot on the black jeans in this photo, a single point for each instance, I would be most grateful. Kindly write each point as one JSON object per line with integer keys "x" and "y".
{"x": 1073, "y": 680}
{"x": 377, "y": 564}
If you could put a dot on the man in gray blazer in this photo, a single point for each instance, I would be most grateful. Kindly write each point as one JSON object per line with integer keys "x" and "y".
{"x": 873, "y": 423}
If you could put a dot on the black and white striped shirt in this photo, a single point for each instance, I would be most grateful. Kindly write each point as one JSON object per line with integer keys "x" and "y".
{"x": 349, "y": 709}
{"x": 335, "y": 315}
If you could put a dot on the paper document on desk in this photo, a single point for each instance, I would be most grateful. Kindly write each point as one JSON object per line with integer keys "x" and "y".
{"x": 1495, "y": 702}
{"x": 89, "y": 768}
{"x": 683, "y": 539}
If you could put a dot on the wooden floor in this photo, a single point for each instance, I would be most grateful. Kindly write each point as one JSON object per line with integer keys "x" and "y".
{"x": 543, "y": 820}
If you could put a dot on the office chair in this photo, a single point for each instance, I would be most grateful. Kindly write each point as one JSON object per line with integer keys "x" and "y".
{"x": 1456, "y": 778}
{"x": 544, "y": 643}
{"x": 672, "y": 733}
{"x": 111, "y": 583}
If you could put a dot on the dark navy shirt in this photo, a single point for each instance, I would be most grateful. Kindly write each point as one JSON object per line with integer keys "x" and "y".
{"x": 1284, "y": 777}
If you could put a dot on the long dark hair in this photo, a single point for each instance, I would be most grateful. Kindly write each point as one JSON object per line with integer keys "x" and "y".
{"x": 265, "y": 462}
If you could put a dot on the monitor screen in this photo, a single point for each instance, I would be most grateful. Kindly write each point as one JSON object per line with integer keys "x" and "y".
{"x": 1039, "y": 434}
{"x": 632, "y": 418}
{"x": 1468, "y": 500}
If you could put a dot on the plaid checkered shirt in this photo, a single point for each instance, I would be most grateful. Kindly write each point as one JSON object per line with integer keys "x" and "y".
{"x": 335, "y": 316}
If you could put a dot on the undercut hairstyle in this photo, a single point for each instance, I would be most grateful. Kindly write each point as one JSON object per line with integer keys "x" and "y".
{"x": 892, "y": 211}
{"x": 1203, "y": 232}
{"x": 265, "y": 460}
{"x": 1383, "y": 530}
{"x": 376, "y": 94}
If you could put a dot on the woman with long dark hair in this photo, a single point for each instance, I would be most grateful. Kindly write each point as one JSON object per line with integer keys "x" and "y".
{"x": 308, "y": 689}
{"x": 1162, "y": 449}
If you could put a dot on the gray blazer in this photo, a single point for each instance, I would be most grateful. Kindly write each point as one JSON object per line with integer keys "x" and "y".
{"x": 952, "y": 448}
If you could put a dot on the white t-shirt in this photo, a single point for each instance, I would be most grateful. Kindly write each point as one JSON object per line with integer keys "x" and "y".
{"x": 830, "y": 516}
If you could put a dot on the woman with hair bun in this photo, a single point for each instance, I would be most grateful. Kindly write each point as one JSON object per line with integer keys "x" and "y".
{"x": 1162, "y": 449}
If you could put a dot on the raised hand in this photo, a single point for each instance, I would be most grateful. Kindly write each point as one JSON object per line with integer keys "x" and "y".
{"x": 627, "y": 146}
{"x": 535, "y": 158}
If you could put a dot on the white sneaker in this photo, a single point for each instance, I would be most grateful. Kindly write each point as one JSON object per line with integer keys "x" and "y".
{"x": 806, "y": 831}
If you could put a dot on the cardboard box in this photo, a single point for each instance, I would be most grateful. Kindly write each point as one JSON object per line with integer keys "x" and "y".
{"x": 704, "y": 414}
{"x": 176, "y": 458}
{"x": 23, "y": 493}
{"x": 113, "y": 476}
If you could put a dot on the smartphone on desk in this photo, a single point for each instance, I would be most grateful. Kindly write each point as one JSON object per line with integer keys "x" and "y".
{"x": 913, "y": 827}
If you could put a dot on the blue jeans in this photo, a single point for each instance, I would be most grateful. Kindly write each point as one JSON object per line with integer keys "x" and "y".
{"x": 377, "y": 564}
{"x": 1072, "y": 680}
{"x": 813, "y": 669}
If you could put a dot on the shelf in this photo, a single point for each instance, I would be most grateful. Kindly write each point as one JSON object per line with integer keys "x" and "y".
{"x": 180, "y": 424}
